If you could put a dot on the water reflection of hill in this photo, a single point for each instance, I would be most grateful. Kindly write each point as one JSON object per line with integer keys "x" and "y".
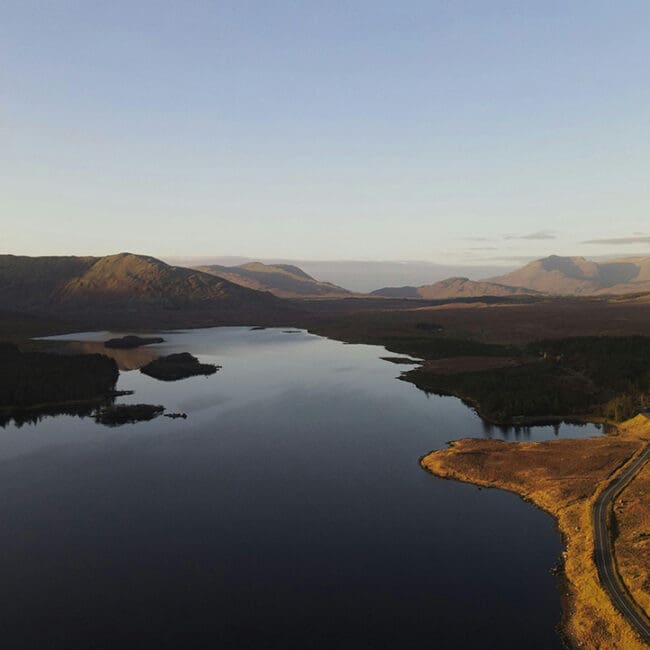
{"x": 132, "y": 359}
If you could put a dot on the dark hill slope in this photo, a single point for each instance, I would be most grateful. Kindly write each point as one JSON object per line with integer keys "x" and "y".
{"x": 31, "y": 281}
{"x": 133, "y": 290}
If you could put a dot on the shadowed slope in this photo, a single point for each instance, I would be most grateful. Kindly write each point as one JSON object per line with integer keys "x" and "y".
{"x": 31, "y": 281}
{"x": 129, "y": 289}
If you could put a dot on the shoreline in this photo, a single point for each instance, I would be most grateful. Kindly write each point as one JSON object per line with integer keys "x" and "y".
{"x": 568, "y": 590}
{"x": 558, "y": 569}
{"x": 520, "y": 421}
{"x": 83, "y": 408}
{"x": 586, "y": 418}
{"x": 588, "y": 617}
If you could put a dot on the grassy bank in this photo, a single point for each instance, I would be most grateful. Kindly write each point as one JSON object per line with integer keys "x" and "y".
{"x": 563, "y": 477}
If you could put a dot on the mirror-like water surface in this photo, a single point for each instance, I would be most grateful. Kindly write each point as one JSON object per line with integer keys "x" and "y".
{"x": 287, "y": 511}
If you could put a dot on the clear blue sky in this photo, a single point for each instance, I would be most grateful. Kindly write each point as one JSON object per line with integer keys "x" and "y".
{"x": 444, "y": 131}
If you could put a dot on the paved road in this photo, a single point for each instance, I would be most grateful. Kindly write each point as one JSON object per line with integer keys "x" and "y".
{"x": 604, "y": 552}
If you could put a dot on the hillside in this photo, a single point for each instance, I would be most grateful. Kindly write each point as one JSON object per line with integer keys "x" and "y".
{"x": 453, "y": 288}
{"x": 578, "y": 276}
{"x": 129, "y": 289}
{"x": 282, "y": 280}
{"x": 554, "y": 275}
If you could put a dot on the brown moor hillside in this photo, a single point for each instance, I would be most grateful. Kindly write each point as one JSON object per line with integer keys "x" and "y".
{"x": 454, "y": 288}
{"x": 556, "y": 275}
{"x": 282, "y": 280}
{"x": 129, "y": 289}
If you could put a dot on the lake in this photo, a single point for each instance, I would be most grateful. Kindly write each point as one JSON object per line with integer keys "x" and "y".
{"x": 287, "y": 511}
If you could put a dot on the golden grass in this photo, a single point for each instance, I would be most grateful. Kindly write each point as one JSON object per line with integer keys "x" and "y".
{"x": 564, "y": 478}
{"x": 632, "y": 546}
{"x": 632, "y": 516}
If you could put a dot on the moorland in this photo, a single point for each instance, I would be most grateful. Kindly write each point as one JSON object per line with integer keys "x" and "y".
{"x": 571, "y": 340}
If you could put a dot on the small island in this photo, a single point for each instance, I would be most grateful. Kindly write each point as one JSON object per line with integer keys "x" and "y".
{"x": 178, "y": 366}
{"x": 130, "y": 342}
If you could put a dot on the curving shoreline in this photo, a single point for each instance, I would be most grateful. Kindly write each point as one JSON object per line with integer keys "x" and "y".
{"x": 564, "y": 478}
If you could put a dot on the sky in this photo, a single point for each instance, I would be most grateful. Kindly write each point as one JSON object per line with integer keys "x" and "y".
{"x": 451, "y": 132}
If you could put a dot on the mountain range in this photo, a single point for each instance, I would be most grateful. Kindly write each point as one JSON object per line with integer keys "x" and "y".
{"x": 141, "y": 291}
{"x": 282, "y": 280}
{"x": 357, "y": 276}
{"x": 453, "y": 288}
{"x": 130, "y": 288}
{"x": 565, "y": 276}
{"x": 552, "y": 276}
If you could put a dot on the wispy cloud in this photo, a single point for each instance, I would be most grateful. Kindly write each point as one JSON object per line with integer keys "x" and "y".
{"x": 484, "y": 248}
{"x": 510, "y": 258}
{"x": 539, "y": 235}
{"x": 620, "y": 241}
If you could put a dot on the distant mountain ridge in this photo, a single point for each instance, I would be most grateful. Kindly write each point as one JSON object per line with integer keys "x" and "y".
{"x": 453, "y": 288}
{"x": 140, "y": 291}
{"x": 570, "y": 276}
{"x": 359, "y": 276}
{"x": 282, "y": 280}
{"x": 552, "y": 276}
{"x": 128, "y": 288}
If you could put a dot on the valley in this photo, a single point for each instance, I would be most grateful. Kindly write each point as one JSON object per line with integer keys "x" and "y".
{"x": 519, "y": 358}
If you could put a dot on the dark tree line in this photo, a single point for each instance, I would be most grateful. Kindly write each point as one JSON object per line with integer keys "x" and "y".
{"x": 29, "y": 379}
{"x": 608, "y": 376}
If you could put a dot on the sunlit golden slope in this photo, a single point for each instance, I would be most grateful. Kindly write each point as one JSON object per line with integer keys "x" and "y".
{"x": 283, "y": 280}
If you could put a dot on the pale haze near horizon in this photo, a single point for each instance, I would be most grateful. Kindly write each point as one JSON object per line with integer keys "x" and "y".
{"x": 459, "y": 133}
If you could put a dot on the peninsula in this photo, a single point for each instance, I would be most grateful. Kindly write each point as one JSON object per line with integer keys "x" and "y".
{"x": 605, "y": 564}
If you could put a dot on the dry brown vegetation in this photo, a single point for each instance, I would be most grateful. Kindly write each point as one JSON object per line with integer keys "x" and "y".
{"x": 632, "y": 545}
{"x": 453, "y": 288}
{"x": 368, "y": 321}
{"x": 632, "y": 516}
{"x": 564, "y": 478}
{"x": 456, "y": 365}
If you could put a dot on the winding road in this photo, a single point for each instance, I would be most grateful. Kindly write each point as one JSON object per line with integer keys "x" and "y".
{"x": 604, "y": 551}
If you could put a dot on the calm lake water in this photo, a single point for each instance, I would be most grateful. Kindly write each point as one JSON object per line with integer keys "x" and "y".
{"x": 287, "y": 511}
